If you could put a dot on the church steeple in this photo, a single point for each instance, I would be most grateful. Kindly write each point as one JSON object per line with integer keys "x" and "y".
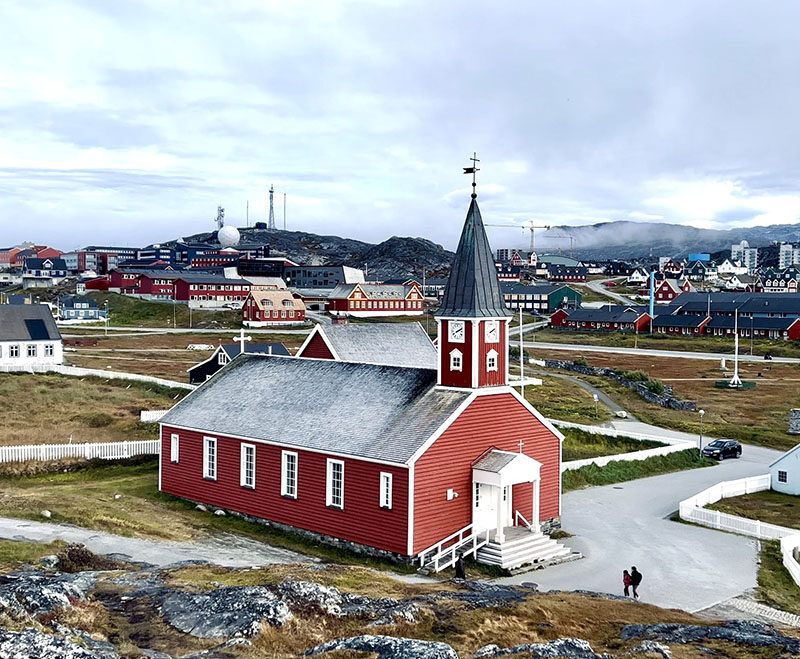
{"x": 473, "y": 318}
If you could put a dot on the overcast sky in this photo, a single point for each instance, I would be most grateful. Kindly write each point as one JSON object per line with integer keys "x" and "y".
{"x": 129, "y": 122}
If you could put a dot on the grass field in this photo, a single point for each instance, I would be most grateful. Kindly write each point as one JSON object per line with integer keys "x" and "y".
{"x": 51, "y": 409}
{"x": 566, "y": 401}
{"x": 579, "y": 444}
{"x": 665, "y": 342}
{"x": 620, "y": 471}
{"x": 775, "y": 585}
{"x": 768, "y": 506}
{"x": 126, "y": 311}
{"x": 758, "y": 416}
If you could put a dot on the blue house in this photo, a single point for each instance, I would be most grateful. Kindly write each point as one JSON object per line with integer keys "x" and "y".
{"x": 80, "y": 308}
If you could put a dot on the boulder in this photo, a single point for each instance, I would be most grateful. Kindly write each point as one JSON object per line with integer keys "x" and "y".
{"x": 31, "y": 643}
{"x": 33, "y": 592}
{"x": 568, "y": 648}
{"x": 388, "y": 647}
{"x": 304, "y": 594}
{"x": 653, "y": 647}
{"x": 50, "y": 561}
{"x": 224, "y": 612}
{"x": 46, "y": 514}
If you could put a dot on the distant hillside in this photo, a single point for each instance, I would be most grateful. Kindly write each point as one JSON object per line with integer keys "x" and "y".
{"x": 395, "y": 257}
{"x": 632, "y": 240}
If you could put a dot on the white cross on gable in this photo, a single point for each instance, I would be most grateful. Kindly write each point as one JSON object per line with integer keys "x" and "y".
{"x": 521, "y": 444}
{"x": 241, "y": 339}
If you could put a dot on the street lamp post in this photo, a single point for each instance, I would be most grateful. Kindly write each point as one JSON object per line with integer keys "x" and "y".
{"x": 595, "y": 404}
{"x": 106, "y": 306}
{"x": 702, "y": 413}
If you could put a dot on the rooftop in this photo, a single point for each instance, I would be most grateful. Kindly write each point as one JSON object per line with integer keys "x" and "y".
{"x": 27, "y": 322}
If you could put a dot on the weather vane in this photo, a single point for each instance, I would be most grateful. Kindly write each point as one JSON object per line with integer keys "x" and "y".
{"x": 473, "y": 170}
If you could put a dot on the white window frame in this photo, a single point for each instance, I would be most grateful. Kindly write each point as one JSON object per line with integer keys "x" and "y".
{"x": 331, "y": 496}
{"x": 30, "y": 350}
{"x": 289, "y": 489}
{"x": 491, "y": 361}
{"x": 13, "y": 350}
{"x": 244, "y": 451}
{"x": 222, "y": 358}
{"x": 456, "y": 360}
{"x": 209, "y": 451}
{"x": 174, "y": 448}
{"x": 386, "y": 490}
{"x": 783, "y": 476}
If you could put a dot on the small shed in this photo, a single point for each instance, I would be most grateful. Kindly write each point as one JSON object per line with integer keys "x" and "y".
{"x": 785, "y": 472}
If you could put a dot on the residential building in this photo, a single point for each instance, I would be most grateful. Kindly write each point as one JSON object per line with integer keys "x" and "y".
{"x": 510, "y": 273}
{"x": 321, "y": 276}
{"x": 727, "y": 268}
{"x": 668, "y": 289}
{"x": 79, "y": 309}
{"x": 746, "y": 256}
{"x": 556, "y": 272}
{"x": 365, "y": 300}
{"x": 702, "y": 271}
{"x": 780, "y": 281}
{"x": 390, "y": 344}
{"x": 788, "y": 255}
{"x": 785, "y": 472}
{"x": 540, "y": 298}
{"x": 225, "y": 353}
{"x": 611, "y": 318}
{"x": 196, "y": 288}
{"x": 29, "y": 337}
{"x": 684, "y": 325}
{"x": 403, "y": 463}
{"x": 272, "y": 307}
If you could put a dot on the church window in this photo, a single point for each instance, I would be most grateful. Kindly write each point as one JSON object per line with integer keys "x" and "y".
{"x": 456, "y": 360}
{"x": 222, "y": 358}
{"x": 210, "y": 458}
{"x": 334, "y": 490}
{"x": 247, "y": 476}
{"x": 289, "y": 474}
{"x": 491, "y": 360}
{"x": 386, "y": 490}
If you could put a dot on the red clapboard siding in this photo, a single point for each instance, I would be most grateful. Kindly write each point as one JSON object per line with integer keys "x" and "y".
{"x": 498, "y": 377}
{"x": 522, "y": 499}
{"x": 498, "y": 421}
{"x": 317, "y": 349}
{"x": 362, "y": 520}
{"x": 461, "y": 378}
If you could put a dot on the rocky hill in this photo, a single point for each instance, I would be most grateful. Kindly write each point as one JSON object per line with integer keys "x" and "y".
{"x": 395, "y": 257}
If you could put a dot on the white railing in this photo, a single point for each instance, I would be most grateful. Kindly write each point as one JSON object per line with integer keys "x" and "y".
{"x": 602, "y": 461}
{"x": 465, "y": 547}
{"x": 519, "y": 516}
{"x": 613, "y": 432}
{"x": 458, "y": 536}
{"x": 693, "y": 510}
{"x": 96, "y": 372}
{"x": 87, "y": 450}
{"x": 151, "y": 416}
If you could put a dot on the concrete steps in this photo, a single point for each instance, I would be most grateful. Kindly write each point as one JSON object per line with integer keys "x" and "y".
{"x": 524, "y": 548}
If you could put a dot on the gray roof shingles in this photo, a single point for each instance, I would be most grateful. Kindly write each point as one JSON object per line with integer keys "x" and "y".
{"x": 13, "y": 326}
{"x": 494, "y": 461}
{"x": 394, "y": 344}
{"x": 382, "y": 413}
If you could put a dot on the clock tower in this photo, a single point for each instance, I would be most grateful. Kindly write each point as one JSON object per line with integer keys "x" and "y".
{"x": 473, "y": 320}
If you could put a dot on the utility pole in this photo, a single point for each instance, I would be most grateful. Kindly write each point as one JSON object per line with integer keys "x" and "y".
{"x": 521, "y": 357}
{"x": 284, "y": 211}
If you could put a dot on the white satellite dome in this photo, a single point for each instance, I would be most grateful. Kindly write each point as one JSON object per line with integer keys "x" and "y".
{"x": 228, "y": 236}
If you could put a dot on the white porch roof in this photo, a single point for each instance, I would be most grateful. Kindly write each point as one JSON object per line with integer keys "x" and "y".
{"x": 502, "y": 468}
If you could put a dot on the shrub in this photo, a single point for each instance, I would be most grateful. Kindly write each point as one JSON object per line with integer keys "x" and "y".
{"x": 656, "y": 387}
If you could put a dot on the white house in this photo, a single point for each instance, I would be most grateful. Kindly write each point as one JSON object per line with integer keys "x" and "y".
{"x": 728, "y": 267}
{"x": 28, "y": 337}
{"x": 785, "y": 472}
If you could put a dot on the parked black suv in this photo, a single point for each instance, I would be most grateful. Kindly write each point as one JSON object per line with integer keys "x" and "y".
{"x": 720, "y": 449}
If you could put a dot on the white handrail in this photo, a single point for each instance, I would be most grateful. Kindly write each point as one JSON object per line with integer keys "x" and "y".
{"x": 457, "y": 549}
{"x": 519, "y": 516}
{"x": 438, "y": 545}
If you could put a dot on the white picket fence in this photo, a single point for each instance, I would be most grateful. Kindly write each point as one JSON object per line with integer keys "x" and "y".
{"x": 693, "y": 510}
{"x": 151, "y": 416}
{"x": 63, "y": 369}
{"x": 87, "y": 450}
{"x": 673, "y": 446}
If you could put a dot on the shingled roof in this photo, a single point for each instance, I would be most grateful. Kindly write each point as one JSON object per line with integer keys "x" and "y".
{"x": 27, "y": 322}
{"x": 473, "y": 290}
{"x": 384, "y": 413}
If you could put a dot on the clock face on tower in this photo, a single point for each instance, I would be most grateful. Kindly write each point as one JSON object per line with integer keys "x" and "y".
{"x": 492, "y": 331}
{"x": 456, "y": 331}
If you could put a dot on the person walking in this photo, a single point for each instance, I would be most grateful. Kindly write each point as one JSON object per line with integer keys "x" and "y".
{"x": 626, "y": 581}
{"x": 461, "y": 569}
{"x": 636, "y": 579}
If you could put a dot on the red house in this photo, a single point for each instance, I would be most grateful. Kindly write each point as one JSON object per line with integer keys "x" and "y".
{"x": 406, "y": 462}
{"x": 610, "y": 318}
{"x": 272, "y": 307}
{"x": 368, "y": 300}
{"x": 668, "y": 289}
{"x": 686, "y": 324}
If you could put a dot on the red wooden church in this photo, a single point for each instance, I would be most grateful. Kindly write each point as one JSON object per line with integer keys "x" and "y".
{"x": 404, "y": 461}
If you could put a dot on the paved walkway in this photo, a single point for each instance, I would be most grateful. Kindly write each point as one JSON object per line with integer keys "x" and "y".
{"x": 601, "y": 395}
{"x": 227, "y": 549}
{"x": 684, "y": 566}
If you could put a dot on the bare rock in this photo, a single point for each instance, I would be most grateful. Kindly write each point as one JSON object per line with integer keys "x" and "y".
{"x": 653, "y": 647}
{"x": 219, "y": 512}
{"x": 224, "y": 612}
{"x": 32, "y": 592}
{"x": 46, "y": 514}
{"x": 388, "y": 647}
{"x": 50, "y": 561}
{"x": 31, "y": 643}
{"x": 569, "y": 648}
{"x": 201, "y": 508}
{"x": 304, "y": 594}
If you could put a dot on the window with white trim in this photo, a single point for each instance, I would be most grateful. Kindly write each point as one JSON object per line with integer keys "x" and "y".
{"x": 334, "y": 490}
{"x": 456, "y": 359}
{"x": 210, "y": 458}
{"x": 13, "y": 351}
{"x": 31, "y": 350}
{"x": 222, "y": 358}
{"x": 174, "y": 448}
{"x": 289, "y": 474}
{"x": 247, "y": 459}
{"x": 783, "y": 477}
{"x": 477, "y": 488}
{"x": 386, "y": 490}
{"x": 491, "y": 360}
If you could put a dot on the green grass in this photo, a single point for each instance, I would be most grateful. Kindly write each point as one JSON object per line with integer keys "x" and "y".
{"x": 619, "y": 471}
{"x": 768, "y": 506}
{"x": 580, "y": 444}
{"x": 13, "y": 553}
{"x": 126, "y": 311}
{"x": 775, "y": 585}
{"x": 564, "y": 400}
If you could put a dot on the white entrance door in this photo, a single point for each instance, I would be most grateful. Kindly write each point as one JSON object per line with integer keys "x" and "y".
{"x": 484, "y": 507}
{"x": 506, "y": 507}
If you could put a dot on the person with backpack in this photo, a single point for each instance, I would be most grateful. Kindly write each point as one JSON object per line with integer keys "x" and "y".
{"x": 626, "y": 581}
{"x": 636, "y": 579}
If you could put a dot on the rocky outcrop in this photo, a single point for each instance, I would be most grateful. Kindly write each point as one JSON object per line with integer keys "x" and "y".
{"x": 388, "y": 647}
{"x": 31, "y": 643}
{"x": 751, "y": 634}
{"x": 224, "y": 612}
{"x": 568, "y": 648}
{"x": 32, "y": 592}
{"x": 794, "y": 421}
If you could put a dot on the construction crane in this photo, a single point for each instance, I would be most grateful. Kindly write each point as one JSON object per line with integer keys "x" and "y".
{"x": 527, "y": 225}
{"x": 571, "y": 239}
